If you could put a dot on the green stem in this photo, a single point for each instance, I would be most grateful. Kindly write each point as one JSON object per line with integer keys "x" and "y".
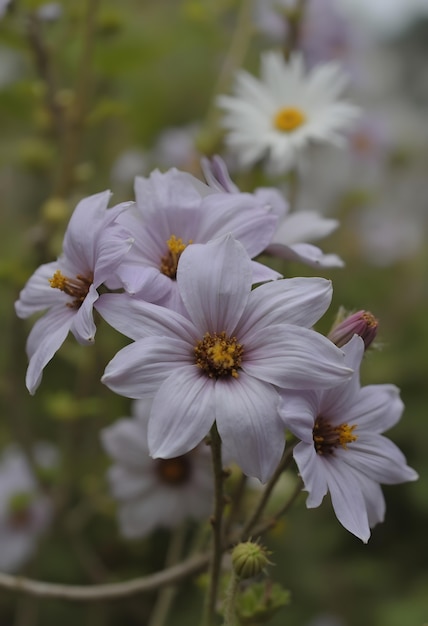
{"x": 75, "y": 121}
{"x": 217, "y": 536}
{"x": 167, "y": 594}
{"x": 233, "y": 60}
{"x": 229, "y": 605}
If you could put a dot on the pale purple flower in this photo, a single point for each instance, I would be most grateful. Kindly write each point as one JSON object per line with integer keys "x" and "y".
{"x": 92, "y": 248}
{"x": 342, "y": 449}
{"x": 293, "y": 231}
{"x": 25, "y": 510}
{"x": 154, "y": 492}
{"x": 223, "y": 362}
{"x": 173, "y": 210}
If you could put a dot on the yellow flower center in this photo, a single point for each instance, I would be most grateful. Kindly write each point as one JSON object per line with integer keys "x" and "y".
{"x": 174, "y": 471}
{"x": 169, "y": 261}
{"x": 288, "y": 119}
{"x": 327, "y": 437}
{"x": 77, "y": 287}
{"x": 219, "y": 355}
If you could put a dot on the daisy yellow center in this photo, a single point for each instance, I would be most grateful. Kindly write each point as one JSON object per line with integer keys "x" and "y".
{"x": 288, "y": 119}
{"x": 219, "y": 355}
{"x": 169, "y": 261}
{"x": 77, "y": 287}
{"x": 174, "y": 471}
{"x": 328, "y": 437}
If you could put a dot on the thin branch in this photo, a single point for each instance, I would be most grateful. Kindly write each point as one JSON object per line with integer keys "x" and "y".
{"x": 110, "y": 591}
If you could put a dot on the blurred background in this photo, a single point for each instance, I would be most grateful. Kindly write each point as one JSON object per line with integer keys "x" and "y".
{"x": 94, "y": 92}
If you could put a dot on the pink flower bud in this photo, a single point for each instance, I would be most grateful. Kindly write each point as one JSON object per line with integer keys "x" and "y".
{"x": 362, "y": 323}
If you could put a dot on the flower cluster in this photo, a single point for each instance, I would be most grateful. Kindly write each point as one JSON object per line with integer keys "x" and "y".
{"x": 217, "y": 337}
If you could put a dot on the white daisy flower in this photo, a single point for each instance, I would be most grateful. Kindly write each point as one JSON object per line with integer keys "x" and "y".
{"x": 278, "y": 116}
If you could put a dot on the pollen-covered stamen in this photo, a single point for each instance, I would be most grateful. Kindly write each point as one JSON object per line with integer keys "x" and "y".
{"x": 174, "y": 471}
{"x": 77, "y": 287}
{"x": 169, "y": 261}
{"x": 288, "y": 119}
{"x": 328, "y": 437}
{"x": 219, "y": 355}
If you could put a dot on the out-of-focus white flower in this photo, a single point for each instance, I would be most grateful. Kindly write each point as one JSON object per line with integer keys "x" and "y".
{"x": 389, "y": 234}
{"x": 128, "y": 165}
{"x": 277, "y": 116}
{"x": 175, "y": 147}
{"x": 49, "y": 12}
{"x": 3, "y": 7}
{"x": 25, "y": 511}
{"x": 154, "y": 492}
{"x": 269, "y": 18}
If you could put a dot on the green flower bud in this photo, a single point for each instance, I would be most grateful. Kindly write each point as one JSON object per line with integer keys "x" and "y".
{"x": 249, "y": 559}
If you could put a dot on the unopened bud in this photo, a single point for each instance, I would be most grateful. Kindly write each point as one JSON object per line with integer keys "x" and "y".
{"x": 249, "y": 559}
{"x": 363, "y": 323}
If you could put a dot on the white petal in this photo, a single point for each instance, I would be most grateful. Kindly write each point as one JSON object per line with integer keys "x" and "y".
{"x": 214, "y": 281}
{"x": 300, "y": 301}
{"x": 38, "y": 295}
{"x": 249, "y": 425}
{"x": 182, "y": 414}
{"x": 292, "y": 357}
{"x": 46, "y": 336}
{"x": 347, "y": 498}
{"x": 137, "y": 319}
{"x": 311, "y": 469}
{"x": 138, "y": 370}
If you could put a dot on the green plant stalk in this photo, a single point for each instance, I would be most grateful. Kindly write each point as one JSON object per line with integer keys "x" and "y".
{"x": 229, "y": 604}
{"x": 217, "y": 536}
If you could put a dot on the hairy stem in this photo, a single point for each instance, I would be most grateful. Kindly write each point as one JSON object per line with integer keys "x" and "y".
{"x": 217, "y": 536}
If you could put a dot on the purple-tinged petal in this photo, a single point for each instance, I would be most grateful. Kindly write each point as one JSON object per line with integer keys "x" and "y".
{"x": 304, "y": 226}
{"x": 46, "y": 336}
{"x": 138, "y": 370}
{"x": 83, "y": 325}
{"x": 137, "y": 319}
{"x": 148, "y": 282}
{"x": 305, "y": 253}
{"x": 312, "y": 472}
{"x": 169, "y": 189}
{"x": 240, "y": 214}
{"x": 292, "y": 357}
{"x": 299, "y": 411}
{"x": 337, "y": 402}
{"x": 217, "y": 176}
{"x": 112, "y": 246}
{"x": 249, "y": 425}
{"x": 375, "y": 502}
{"x": 214, "y": 282}
{"x": 38, "y": 295}
{"x": 86, "y": 223}
{"x": 347, "y": 498}
{"x": 377, "y": 408}
{"x": 263, "y": 273}
{"x": 300, "y": 301}
{"x": 378, "y": 458}
{"x": 182, "y": 414}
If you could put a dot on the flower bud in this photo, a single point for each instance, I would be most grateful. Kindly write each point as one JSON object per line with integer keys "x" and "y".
{"x": 249, "y": 559}
{"x": 362, "y": 323}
